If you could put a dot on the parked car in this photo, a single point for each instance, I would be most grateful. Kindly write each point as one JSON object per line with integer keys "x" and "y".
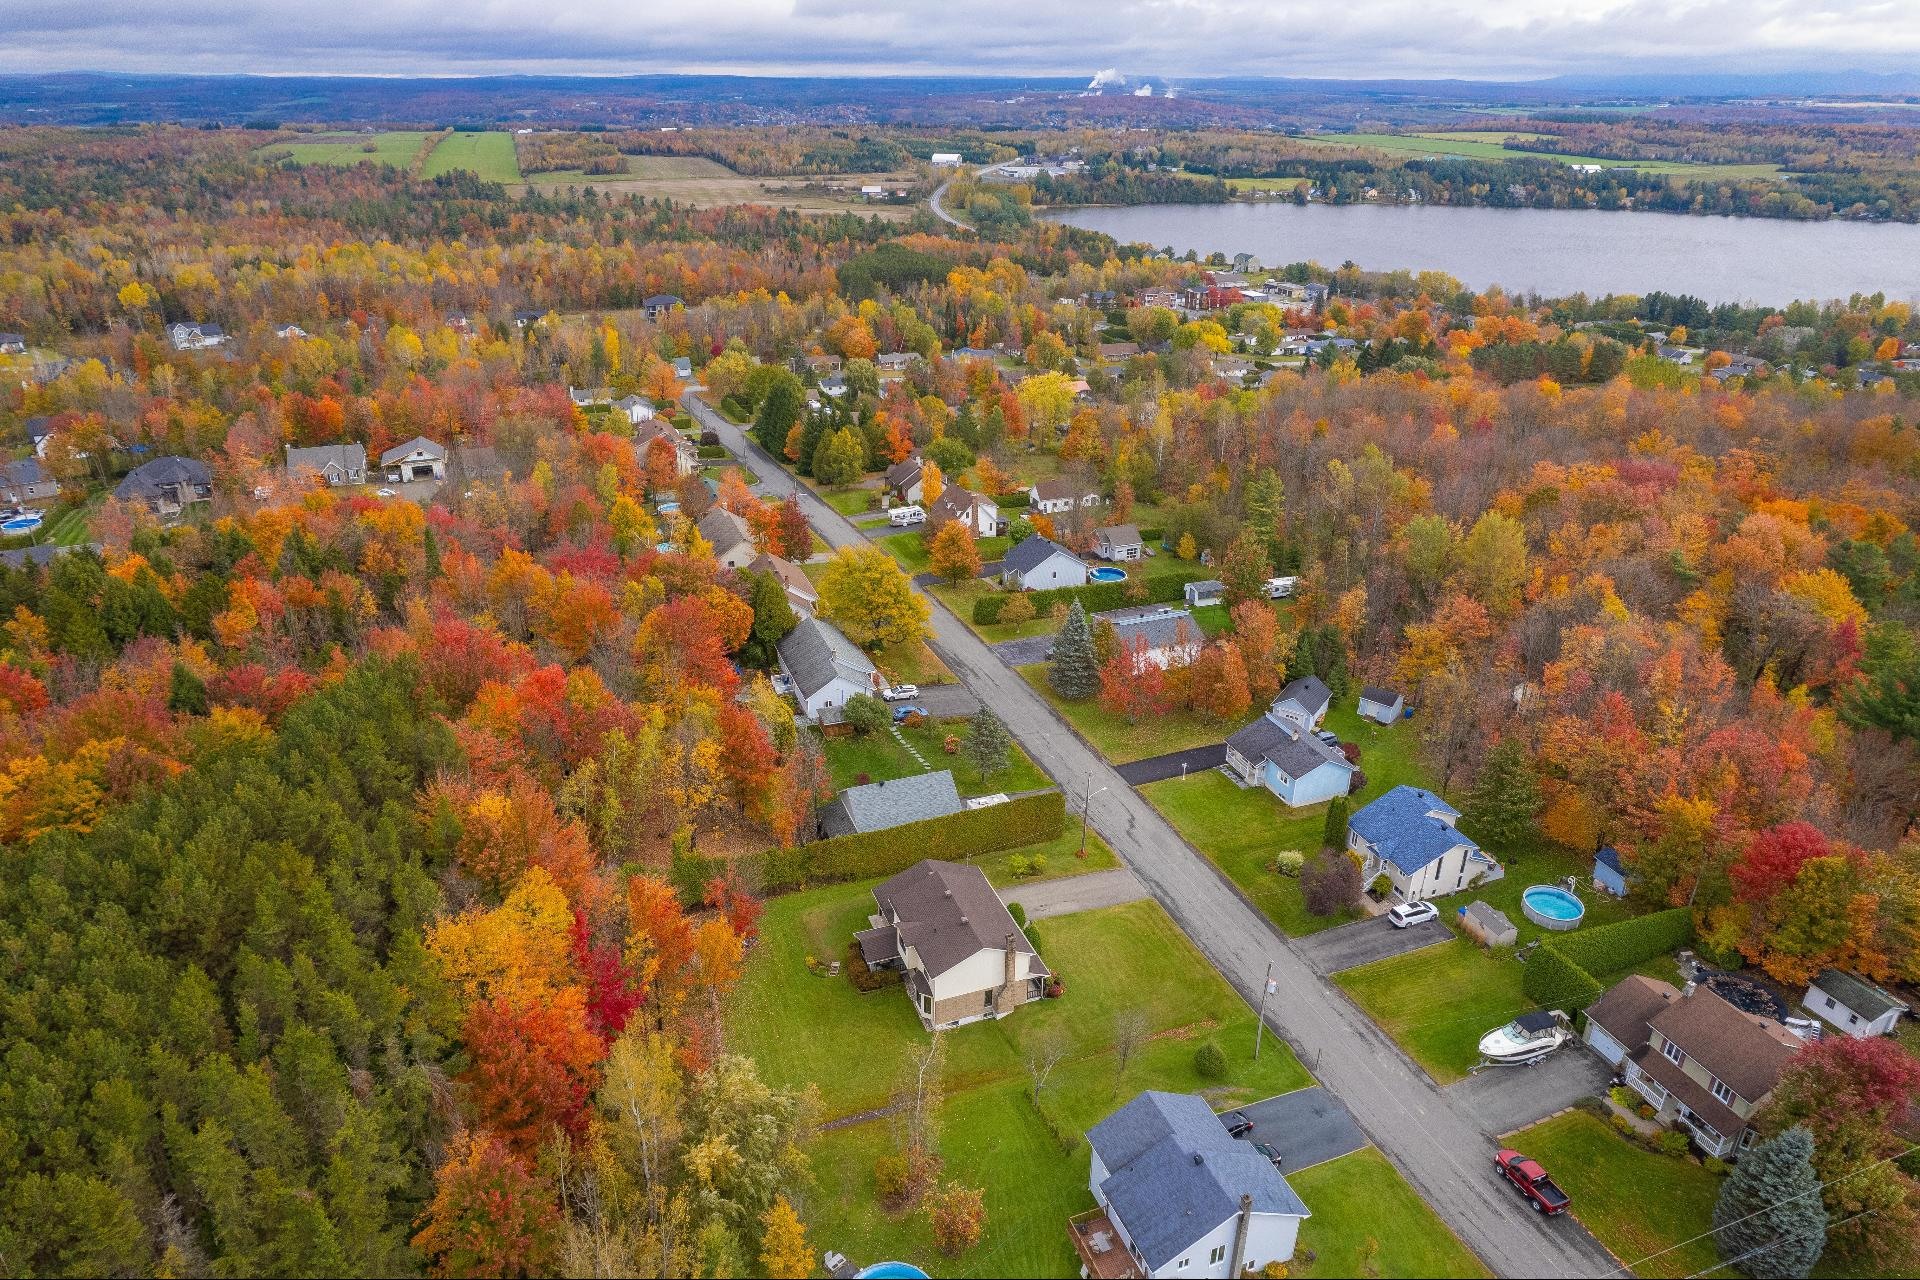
{"x": 1407, "y": 914}
{"x": 385, "y": 493}
{"x": 1327, "y": 736}
{"x": 901, "y": 692}
{"x": 1271, "y": 1152}
{"x": 901, "y": 714}
{"x": 1531, "y": 1181}
{"x": 1238, "y": 1126}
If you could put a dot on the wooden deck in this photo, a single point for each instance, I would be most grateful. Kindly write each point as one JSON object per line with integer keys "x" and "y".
{"x": 1100, "y": 1247}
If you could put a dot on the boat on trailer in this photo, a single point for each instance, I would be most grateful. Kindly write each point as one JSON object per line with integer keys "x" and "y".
{"x": 1527, "y": 1039}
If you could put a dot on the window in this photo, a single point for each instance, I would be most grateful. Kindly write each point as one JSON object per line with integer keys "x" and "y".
{"x": 1674, "y": 1053}
{"x": 1830, "y": 1003}
{"x": 926, "y": 1004}
{"x": 1218, "y": 1255}
{"x": 1723, "y": 1093}
{"x": 1183, "y": 1263}
{"x": 1853, "y": 1019}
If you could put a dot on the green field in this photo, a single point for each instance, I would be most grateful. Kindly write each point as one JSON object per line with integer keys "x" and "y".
{"x": 1267, "y": 184}
{"x": 1480, "y": 145}
{"x": 348, "y": 149}
{"x": 491, "y": 155}
{"x": 1360, "y": 1198}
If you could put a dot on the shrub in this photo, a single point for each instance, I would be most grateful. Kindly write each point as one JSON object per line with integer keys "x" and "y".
{"x": 1210, "y": 1062}
{"x": 1622, "y": 1125}
{"x": 1334, "y": 833}
{"x": 1716, "y": 1166}
{"x": 1611, "y": 948}
{"x": 865, "y": 978}
{"x": 1554, "y": 982}
{"x": 958, "y": 1216}
{"x": 1382, "y": 885}
{"x": 867, "y": 714}
{"x": 986, "y": 610}
{"x": 709, "y": 438}
{"x": 1033, "y": 936}
{"x": 1019, "y": 914}
{"x": 1025, "y": 820}
{"x": 1645, "y": 1111}
{"x": 1288, "y": 862}
{"x": 1624, "y": 1096}
{"x": 1330, "y": 883}
{"x": 1017, "y": 609}
{"x": 714, "y": 451}
{"x": 1673, "y": 1143}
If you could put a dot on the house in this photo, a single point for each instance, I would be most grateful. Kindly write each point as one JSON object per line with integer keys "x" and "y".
{"x": 289, "y": 331}
{"x": 333, "y": 464}
{"x": 458, "y": 322}
{"x": 1382, "y": 706}
{"x": 167, "y": 486}
{"x": 833, "y": 385}
{"x": 39, "y": 433}
{"x": 944, "y": 159}
{"x": 1117, "y": 542}
{"x": 195, "y": 335}
{"x": 1408, "y": 836}
{"x": 1609, "y": 871}
{"x": 1204, "y": 593}
{"x": 941, "y": 925}
{"x": 686, "y": 454}
{"x": 903, "y": 480}
{"x": 638, "y": 409}
{"x": 583, "y": 397}
{"x": 417, "y": 459}
{"x": 659, "y": 304}
{"x": 1854, "y": 1005}
{"x": 1304, "y": 701}
{"x": 1488, "y": 925}
{"x": 892, "y": 803}
{"x": 1279, "y": 753}
{"x": 1701, "y": 1062}
{"x": 802, "y": 597}
{"x": 682, "y": 367}
{"x": 977, "y": 513}
{"x": 13, "y": 344}
{"x": 1166, "y": 636}
{"x": 528, "y": 319}
{"x": 730, "y": 536}
{"x": 1738, "y": 367}
{"x": 825, "y": 667}
{"x": 1117, "y": 353}
{"x": 895, "y": 361}
{"x": 27, "y": 481}
{"x": 1677, "y": 355}
{"x": 1058, "y": 497}
{"x": 1038, "y": 563}
{"x": 819, "y": 365}
{"x": 1178, "y": 1196}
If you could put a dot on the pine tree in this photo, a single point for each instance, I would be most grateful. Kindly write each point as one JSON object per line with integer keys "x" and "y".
{"x": 186, "y": 692}
{"x": 988, "y": 744}
{"x": 1506, "y": 797}
{"x": 1074, "y": 673}
{"x": 1769, "y": 1221}
{"x": 1334, "y": 835}
{"x": 778, "y": 412}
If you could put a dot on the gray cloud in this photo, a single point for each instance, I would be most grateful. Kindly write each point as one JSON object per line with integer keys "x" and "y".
{"x": 1390, "y": 38}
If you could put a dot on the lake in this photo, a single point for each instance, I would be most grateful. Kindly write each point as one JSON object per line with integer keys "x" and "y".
{"x": 1553, "y": 252}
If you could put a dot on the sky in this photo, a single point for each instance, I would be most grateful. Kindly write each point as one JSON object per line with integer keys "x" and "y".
{"x": 1160, "y": 39}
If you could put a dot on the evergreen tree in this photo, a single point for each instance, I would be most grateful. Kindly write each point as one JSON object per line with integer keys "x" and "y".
{"x": 988, "y": 744}
{"x": 1506, "y": 797}
{"x": 1769, "y": 1221}
{"x": 1334, "y": 835}
{"x": 777, "y": 414}
{"x": 186, "y": 692}
{"x": 812, "y": 432}
{"x": 1074, "y": 673}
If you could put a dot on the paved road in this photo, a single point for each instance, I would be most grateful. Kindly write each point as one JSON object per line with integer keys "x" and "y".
{"x": 1076, "y": 893}
{"x": 1441, "y": 1146}
{"x": 1175, "y": 764}
{"x": 1307, "y": 1127}
{"x": 943, "y": 701}
{"x": 1364, "y": 941}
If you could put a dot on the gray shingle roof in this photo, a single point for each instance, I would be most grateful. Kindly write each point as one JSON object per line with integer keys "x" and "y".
{"x": 27, "y": 471}
{"x": 1173, "y": 1174}
{"x": 1031, "y": 553}
{"x": 724, "y": 530}
{"x": 1162, "y": 626}
{"x": 947, "y": 912}
{"x": 815, "y": 652}
{"x": 1119, "y": 535}
{"x": 149, "y": 480}
{"x": 1381, "y": 697}
{"x": 1309, "y": 693}
{"x": 1859, "y": 995}
{"x": 1400, "y": 827}
{"x": 901, "y": 475}
{"x": 346, "y": 457}
{"x": 1294, "y": 752}
{"x": 421, "y": 443}
{"x": 879, "y": 805}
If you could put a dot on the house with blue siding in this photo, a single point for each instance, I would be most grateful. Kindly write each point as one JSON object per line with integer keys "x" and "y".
{"x": 1409, "y": 835}
{"x": 1609, "y": 871}
{"x": 1281, "y": 753}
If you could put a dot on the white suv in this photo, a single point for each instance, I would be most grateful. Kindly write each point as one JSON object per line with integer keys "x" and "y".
{"x": 901, "y": 692}
{"x": 1407, "y": 914}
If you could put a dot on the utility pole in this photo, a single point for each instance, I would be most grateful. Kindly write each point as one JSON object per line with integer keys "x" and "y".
{"x": 1086, "y": 805}
{"x": 1260, "y": 1020}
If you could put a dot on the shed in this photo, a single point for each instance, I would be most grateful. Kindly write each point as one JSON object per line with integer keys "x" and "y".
{"x": 1488, "y": 925}
{"x": 1609, "y": 871}
{"x": 1382, "y": 706}
{"x": 1206, "y": 592}
{"x": 1854, "y": 1005}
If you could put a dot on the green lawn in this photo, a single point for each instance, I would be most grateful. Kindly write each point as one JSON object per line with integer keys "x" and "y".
{"x": 1438, "y": 1002}
{"x": 881, "y": 757}
{"x": 1267, "y": 184}
{"x": 1489, "y": 148}
{"x": 1119, "y": 741}
{"x": 1031, "y": 1160}
{"x": 1635, "y": 1203}
{"x": 1361, "y": 1198}
{"x": 72, "y": 527}
{"x": 959, "y": 601}
{"x": 911, "y": 549}
{"x": 1061, "y": 854}
{"x": 851, "y": 501}
{"x": 348, "y": 149}
{"x": 1241, "y": 829}
{"x": 490, "y": 155}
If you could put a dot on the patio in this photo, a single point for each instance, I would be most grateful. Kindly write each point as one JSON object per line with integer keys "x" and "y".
{"x": 1100, "y": 1247}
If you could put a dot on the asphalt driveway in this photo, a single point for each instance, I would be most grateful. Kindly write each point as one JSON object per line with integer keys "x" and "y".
{"x": 1509, "y": 1098}
{"x": 1175, "y": 764}
{"x": 1069, "y": 894}
{"x": 1023, "y": 652}
{"x": 942, "y": 701}
{"x": 1364, "y": 941}
{"x": 1307, "y": 1127}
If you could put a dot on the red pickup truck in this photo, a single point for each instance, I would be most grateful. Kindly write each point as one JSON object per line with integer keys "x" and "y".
{"x": 1542, "y": 1192}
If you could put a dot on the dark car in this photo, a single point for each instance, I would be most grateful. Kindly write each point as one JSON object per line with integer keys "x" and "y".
{"x": 1271, "y": 1152}
{"x": 1238, "y": 1126}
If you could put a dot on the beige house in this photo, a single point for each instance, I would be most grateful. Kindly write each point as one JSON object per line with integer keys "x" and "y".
{"x": 964, "y": 959}
{"x": 1703, "y": 1063}
{"x": 686, "y": 454}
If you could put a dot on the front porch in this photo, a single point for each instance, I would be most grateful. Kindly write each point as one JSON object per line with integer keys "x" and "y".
{"x": 1103, "y": 1254}
{"x": 1669, "y": 1109}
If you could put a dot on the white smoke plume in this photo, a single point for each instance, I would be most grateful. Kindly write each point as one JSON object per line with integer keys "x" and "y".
{"x": 1110, "y": 78}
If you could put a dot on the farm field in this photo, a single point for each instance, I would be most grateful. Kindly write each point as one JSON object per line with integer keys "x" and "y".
{"x": 1267, "y": 184}
{"x": 490, "y": 155}
{"x": 1488, "y": 148}
{"x": 704, "y": 183}
{"x": 348, "y": 149}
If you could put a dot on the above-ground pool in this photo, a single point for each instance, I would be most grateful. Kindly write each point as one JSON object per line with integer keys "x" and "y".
{"x": 890, "y": 1271}
{"x": 1106, "y": 573}
{"x": 1551, "y": 907}
{"x": 22, "y": 524}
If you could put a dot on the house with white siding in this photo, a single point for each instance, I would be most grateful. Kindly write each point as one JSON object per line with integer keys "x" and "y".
{"x": 941, "y": 925}
{"x": 1409, "y": 836}
{"x": 1851, "y": 1004}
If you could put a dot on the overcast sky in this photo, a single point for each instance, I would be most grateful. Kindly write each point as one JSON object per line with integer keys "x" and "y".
{"x": 1158, "y": 38}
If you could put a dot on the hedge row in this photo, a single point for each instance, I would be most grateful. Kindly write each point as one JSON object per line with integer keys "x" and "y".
{"x": 1094, "y": 597}
{"x": 865, "y": 855}
{"x": 1019, "y": 499}
{"x": 1560, "y": 971}
{"x": 1554, "y": 982}
{"x": 714, "y": 451}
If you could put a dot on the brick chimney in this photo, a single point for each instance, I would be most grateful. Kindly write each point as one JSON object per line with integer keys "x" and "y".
{"x": 1240, "y": 1235}
{"x": 1011, "y": 971}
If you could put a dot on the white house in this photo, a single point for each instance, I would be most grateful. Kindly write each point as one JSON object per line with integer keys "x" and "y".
{"x": 194, "y": 335}
{"x": 1117, "y": 542}
{"x": 904, "y": 480}
{"x": 417, "y": 459}
{"x": 1167, "y": 636}
{"x": 1178, "y": 1197}
{"x": 1282, "y": 755}
{"x": 1061, "y": 497}
{"x": 825, "y": 667}
{"x": 945, "y": 158}
{"x": 638, "y": 409}
{"x": 940, "y": 923}
{"x": 1408, "y": 836}
{"x": 980, "y": 514}
{"x": 1304, "y": 701}
{"x": 13, "y": 344}
{"x": 1854, "y": 1005}
{"x": 1204, "y": 593}
{"x": 1039, "y": 563}
{"x": 1382, "y": 706}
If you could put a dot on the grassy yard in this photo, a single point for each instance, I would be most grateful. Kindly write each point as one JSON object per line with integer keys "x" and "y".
{"x": 1241, "y": 829}
{"x": 882, "y": 757}
{"x": 851, "y": 501}
{"x": 1438, "y": 1002}
{"x": 1031, "y": 1159}
{"x": 1368, "y": 1221}
{"x": 1119, "y": 741}
{"x": 348, "y": 149}
{"x": 72, "y": 527}
{"x": 959, "y": 600}
{"x": 911, "y": 549}
{"x": 1634, "y": 1202}
{"x": 913, "y": 663}
{"x": 490, "y": 155}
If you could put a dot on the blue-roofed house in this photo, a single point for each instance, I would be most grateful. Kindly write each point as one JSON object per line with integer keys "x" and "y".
{"x": 1178, "y": 1197}
{"x": 1409, "y": 836}
{"x": 1609, "y": 871}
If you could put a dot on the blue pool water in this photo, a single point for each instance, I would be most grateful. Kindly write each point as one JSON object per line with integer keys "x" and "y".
{"x": 1552, "y": 903}
{"x": 22, "y": 524}
{"x": 1106, "y": 573}
{"x": 890, "y": 1271}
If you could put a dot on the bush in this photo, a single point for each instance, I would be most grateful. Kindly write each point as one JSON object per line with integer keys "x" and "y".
{"x": 1033, "y": 937}
{"x": 1672, "y": 1142}
{"x": 1025, "y": 820}
{"x": 1210, "y": 1062}
{"x": 709, "y": 438}
{"x": 714, "y": 451}
{"x": 1554, "y": 982}
{"x": 1382, "y": 885}
{"x": 1624, "y": 1096}
{"x": 1623, "y": 1126}
{"x": 865, "y": 978}
{"x": 1288, "y": 862}
{"x": 1019, "y": 498}
{"x": 986, "y": 610}
{"x": 1153, "y": 535}
{"x": 1330, "y": 884}
{"x": 1017, "y": 609}
{"x": 867, "y": 714}
{"x": 1611, "y": 948}
{"x": 1716, "y": 1166}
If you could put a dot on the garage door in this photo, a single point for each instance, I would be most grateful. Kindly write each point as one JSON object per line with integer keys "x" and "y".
{"x": 1605, "y": 1045}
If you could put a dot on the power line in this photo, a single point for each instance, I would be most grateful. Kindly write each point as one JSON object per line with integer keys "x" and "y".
{"x": 1778, "y": 1241}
